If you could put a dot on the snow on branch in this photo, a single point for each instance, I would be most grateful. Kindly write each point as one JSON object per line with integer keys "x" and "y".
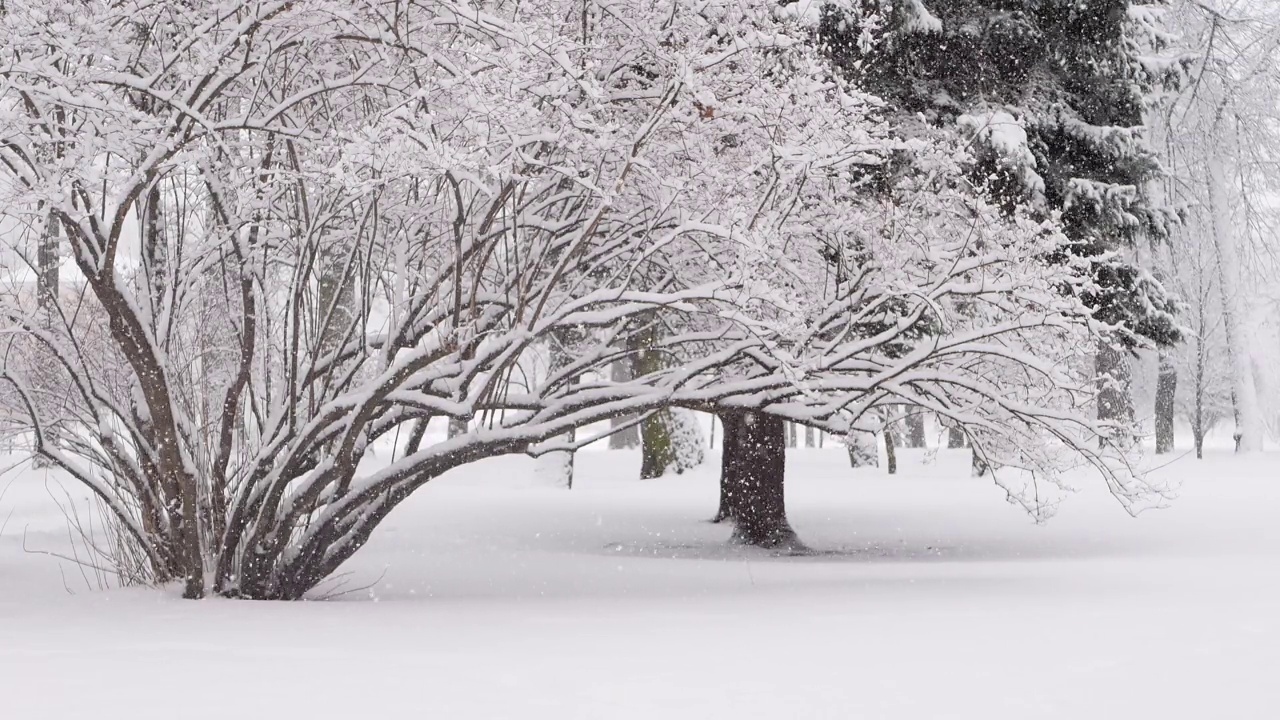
{"x": 297, "y": 232}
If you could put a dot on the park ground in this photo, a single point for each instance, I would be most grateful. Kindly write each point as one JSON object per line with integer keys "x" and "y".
{"x": 490, "y": 595}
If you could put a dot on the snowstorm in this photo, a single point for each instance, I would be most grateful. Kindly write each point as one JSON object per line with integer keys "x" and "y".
{"x": 614, "y": 359}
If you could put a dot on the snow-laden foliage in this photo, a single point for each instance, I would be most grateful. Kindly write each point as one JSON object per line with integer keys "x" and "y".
{"x": 1000, "y": 134}
{"x": 301, "y": 227}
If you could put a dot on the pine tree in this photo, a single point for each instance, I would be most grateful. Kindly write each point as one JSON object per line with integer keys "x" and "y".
{"x": 1052, "y": 95}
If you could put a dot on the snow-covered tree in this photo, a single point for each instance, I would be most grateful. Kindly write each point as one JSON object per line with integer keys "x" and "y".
{"x": 375, "y": 214}
{"x": 1203, "y": 395}
{"x": 1219, "y": 136}
{"x": 1051, "y": 95}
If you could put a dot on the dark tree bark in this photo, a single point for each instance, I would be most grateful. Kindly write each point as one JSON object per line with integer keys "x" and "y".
{"x": 891, "y": 430}
{"x": 915, "y": 429}
{"x": 1112, "y": 368}
{"x": 890, "y": 450}
{"x": 1198, "y": 428}
{"x": 1166, "y": 391}
{"x": 47, "y": 271}
{"x": 336, "y": 305}
{"x": 1197, "y": 420}
{"x": 955, "y": 437}
{"x": 657, "y": 446}
{"x": 791, "y": 435}
{"x": 154, "y": 248}
{"x": 752, "y": 470}
{"x": 729, "y": 462}
{"x": 808, "y": 436}
{"x": 47, "y": 291}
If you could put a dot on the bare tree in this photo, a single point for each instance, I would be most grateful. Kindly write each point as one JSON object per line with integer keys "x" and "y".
{"x": 1219, "y": 136}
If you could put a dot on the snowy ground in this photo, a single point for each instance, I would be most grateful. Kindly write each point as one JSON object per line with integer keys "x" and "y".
{"x": 498, "y": 598}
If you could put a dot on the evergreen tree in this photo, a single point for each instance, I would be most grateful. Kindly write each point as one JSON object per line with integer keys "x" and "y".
{"x": 1052, "y": 95}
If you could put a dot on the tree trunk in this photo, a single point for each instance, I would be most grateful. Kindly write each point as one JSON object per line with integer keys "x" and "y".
{"x": 335, "y": 295}
{"x": 1201, "y": 368}
{"x": 752, "y": 470}
{"x": 1197, "y": 420}
{"x": 556, "y": 468}
{"x": 657, "y": 451}
{"x": 1166, "y": 391}
{"x": 955, "y": 437}
{"x": 915, "y": 429}
{"x": 154, "y": 248}
{"x": 1112, "y": 369}
{"x": 890, "y": 452}
{"x": 791, "y": 435}
{"x": 671, "y": 442}
{"x": 47, "y": 302}
{"x": 628, "y": 437}
{"x": 667, "y": 443}
{"x": 47, "y": 272}
{"x": 728, "y": 468}
{"x": 1244, "y": 395}
{"x": 808, "y": 436}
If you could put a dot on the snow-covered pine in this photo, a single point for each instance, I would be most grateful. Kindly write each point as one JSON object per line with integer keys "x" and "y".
{"x": 1052, "y": 95}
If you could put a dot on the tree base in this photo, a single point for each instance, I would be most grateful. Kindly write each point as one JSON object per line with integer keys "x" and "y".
{"x": 783, "y": 541}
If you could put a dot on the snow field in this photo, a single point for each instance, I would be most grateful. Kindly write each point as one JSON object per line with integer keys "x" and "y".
{"x": 490, "y": 596}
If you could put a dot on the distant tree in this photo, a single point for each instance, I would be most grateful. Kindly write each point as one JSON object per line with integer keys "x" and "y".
{"x": 915, "y": 435}
{"x": 1205, "y": 397}
{"x": 1219, "y": 137}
